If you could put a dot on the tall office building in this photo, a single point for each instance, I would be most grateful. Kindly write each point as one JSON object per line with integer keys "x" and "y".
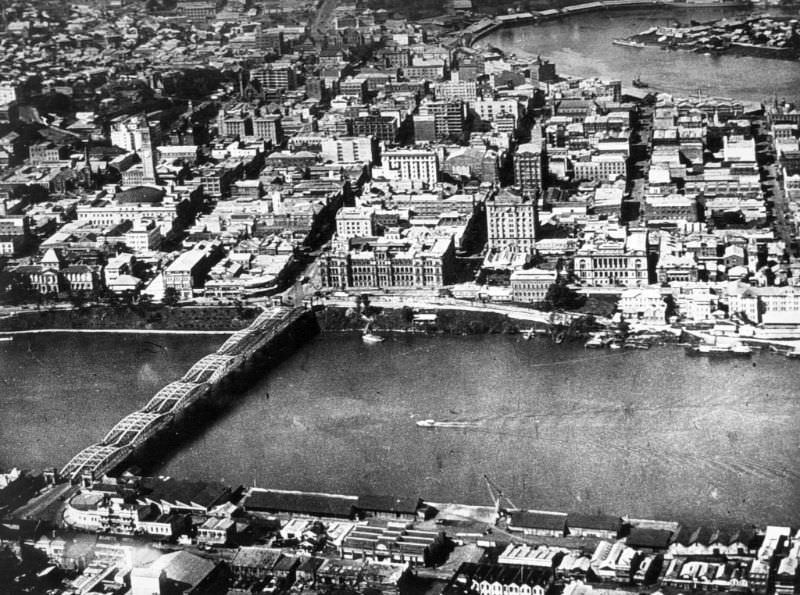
{"x": 147, "y": 155}
{"x": 529, "y": 169}
{"x": 511, "y": 222}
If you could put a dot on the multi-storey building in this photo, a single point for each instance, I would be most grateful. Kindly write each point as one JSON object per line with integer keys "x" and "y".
{"x": 425, "y": 263}
{"x": 613, "y": 263}
{"x": 8, "y": 92}
{"x": 529, "y": 167}
{"x": 197, "y": 11}
{"x": 348, "y": 149}
{"x": 511, "y": 222}
{"x": 268, "y": 128}
{"x": 670, "y": 207}
{"x": 186, "y": 272}
{"x": 147, "y": 154}
{"x": 354, "y": 222}
{"x": 488, "y": 109}
{"x": 277, "y": 75}
{"x": 126, "y": 132}
{"x": 448, "y": 116}
{"x": 600, "y": 167}
{"x": 383, "y": 128}
{"x": 449, "y": 90}
{"x": 412, "y": 164}
{"x": 530, "y": 285}
{"x": 428, "y": 70}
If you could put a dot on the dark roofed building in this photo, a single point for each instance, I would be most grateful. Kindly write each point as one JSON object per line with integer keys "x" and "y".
{"x": 534, "y": 522}
{"x": 307, "y": 569}
{"x": 641, "y": 538}
{"x": 140, "y": 195}
{"x": 604, "y": 526}
{"x": 190, "y": 496}
{"x": 180, "y": 572}
{"x": 254, "y": 562}
{"x": 302, "y": 504}
{"x": 389, "y": 507}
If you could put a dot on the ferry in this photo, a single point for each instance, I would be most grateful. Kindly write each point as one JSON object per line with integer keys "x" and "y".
{"x": 432, "y": 423}
{"x": 733, "y": 350}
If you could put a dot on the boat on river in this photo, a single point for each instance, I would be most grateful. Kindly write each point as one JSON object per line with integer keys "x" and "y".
{"x": 733, "y": 349}
{"x": 628, "y": 43}
{"x": 432, "y": 423}
{"x": 368, "y": 336}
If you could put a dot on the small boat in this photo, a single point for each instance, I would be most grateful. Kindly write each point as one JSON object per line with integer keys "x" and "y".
{"x": 371, "y": 338}
{"x": 793, "y": 353}
{"x": 426, "y": 423}
{"x": 595, "y": 342}
{"x": 6, "y": 339}
{"x": 628, "y": 43}
{"x": 615, "y": 344}
{"x": 527, "y": 334}
{"x": 639, "y": 83}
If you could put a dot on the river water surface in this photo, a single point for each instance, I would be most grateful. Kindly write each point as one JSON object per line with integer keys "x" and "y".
{"x": 581, "y": 46}
{"x": 652, "y": 433}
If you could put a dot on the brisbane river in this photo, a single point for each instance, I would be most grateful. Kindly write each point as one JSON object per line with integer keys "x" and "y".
{"x": 581, "y": 45}
{"x": 645, "y": 433}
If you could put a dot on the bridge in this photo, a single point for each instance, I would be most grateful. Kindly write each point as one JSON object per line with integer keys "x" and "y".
{"x": 137, "y": 428}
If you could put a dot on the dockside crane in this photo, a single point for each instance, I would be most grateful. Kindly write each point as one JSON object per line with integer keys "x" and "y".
{"x": 497, "y": 499}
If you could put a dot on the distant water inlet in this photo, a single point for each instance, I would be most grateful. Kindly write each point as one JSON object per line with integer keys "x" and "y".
{"x": 582, "y": 45}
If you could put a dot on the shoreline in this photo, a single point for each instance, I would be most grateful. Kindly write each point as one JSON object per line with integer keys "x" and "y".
{"x": 129, "y": 331}
{"x": 527, "y": 18}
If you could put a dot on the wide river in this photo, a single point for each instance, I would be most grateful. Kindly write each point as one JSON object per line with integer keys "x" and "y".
{"x": 581, "y": 45}
{"x": 648, "y": 433}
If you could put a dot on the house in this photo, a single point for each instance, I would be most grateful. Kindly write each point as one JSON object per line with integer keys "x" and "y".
{"x": 497, "y": 579}
{"x": 645, "y": 304}
{"x": 535, "y": 522}
{"x": 307, "y": 569}
{"x": 10, "y": 244}
{"x": 79, "y": 277}
{"x": 216, "y": 531}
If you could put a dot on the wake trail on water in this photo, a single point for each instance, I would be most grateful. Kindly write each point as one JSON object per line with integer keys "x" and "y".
{"x": 640, "y": 455}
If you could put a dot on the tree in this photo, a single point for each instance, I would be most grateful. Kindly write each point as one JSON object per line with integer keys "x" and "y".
{"x": 171, "y": 296}
{"x": 561, "y": 296}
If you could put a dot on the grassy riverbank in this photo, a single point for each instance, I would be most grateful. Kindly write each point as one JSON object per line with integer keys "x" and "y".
{"x": 142, "y": 317}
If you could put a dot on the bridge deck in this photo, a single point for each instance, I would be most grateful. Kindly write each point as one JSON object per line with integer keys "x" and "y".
{"x": 99, "y": 458}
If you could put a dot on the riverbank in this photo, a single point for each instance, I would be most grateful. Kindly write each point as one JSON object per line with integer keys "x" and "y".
{"x": 485, "y": 25}
{"x": 757, "y": 37}
{"x": 138, "y": 318}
